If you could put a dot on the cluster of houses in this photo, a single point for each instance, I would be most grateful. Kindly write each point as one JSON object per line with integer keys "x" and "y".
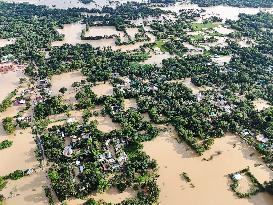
{"x": 221, "y": 103}
{"x": 25, "y": 95}
{"x": 126, "y": 82}
{"x": 44, "y": 86}
{"x": 259, "y": 138}
{"x": 113, "y": 157}
{"x": 22, "y": 119}
{"x": 8, "y": 64}
{"x": 7, "y": 67}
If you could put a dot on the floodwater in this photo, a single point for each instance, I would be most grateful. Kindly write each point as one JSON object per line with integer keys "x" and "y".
{"x": 28, "y": 190}
{"x": 103, "y": 30}
{"x": 110, "y": 196}
{"x": 246, "y": 42}
{"x": 65, "y": 80}
{"x": 21, "y": 156}
{"x": 245, "y": 184}
{"x": 209, "y": 179}
{"x": 223, "y": 30}
{"x": 5, "y": 42}
{"x": 224, "y": 12}
{"x": 103, "y": 89}
{"x": 21, "y": 152}
{"x": 132, "y": 32}
{"x": 64, "y": 4}
{"x": 130, "y": 103}
{"x": 156, "y": 58}
{"x": 261, "y": 104}
{"x": 9, "y": 82}
{"x": 72, "y": 35}
{"x": 105, "y": 123}
{"x": 187, "y": 82}
{"x": 221, "y": 60}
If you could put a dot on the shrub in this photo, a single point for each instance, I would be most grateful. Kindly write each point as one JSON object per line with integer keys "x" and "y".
{"x": 18, "y": 174}
{"x": 3, "y": 183}
{"x": 5, "y": 144}
{"x": 8, "y": 125}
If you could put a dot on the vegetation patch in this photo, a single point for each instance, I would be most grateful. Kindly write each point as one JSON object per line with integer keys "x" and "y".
{"x": 5, "y": 144}
{"x": 9, "y": 125}
{"x": 256, "y": 187}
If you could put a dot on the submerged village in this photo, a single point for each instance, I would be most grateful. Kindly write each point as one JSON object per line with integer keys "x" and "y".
{"x": 136, "y": 102}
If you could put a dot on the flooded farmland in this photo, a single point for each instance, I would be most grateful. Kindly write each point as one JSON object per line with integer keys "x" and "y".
{"x": 211, "y": 185}
{"x": 11, "y": 81}
{"x": 72, "y": 35}
{"x": 208, "y": 181}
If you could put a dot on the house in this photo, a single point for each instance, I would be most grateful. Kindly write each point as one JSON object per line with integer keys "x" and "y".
{"x": 24, "y": 119}
{"x": 157, "y": 50}
{"x": 115, "y": 167}
{"x": 81, "y": 169}
{"x": 108, "y": 155}
{"x": 68, "y": 151}
{"x": 246, "y": 133}
{"x": 116, "y": 108}
{"x": 153, "y": 88}
{"x": 85, "y": 135}
{"x": 199, "y": 97}
{"x": 70, "y": 120}
{"x": 262, "y": 138}
{"x": 237, "y": 176}
{"x": 115, "y": 75}
{"x": 22, "y": 101}
{"x": 7, "y": 58}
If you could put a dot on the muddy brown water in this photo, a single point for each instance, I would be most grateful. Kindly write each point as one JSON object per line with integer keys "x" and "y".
{"x": 9, "y": 82}
{"x": 72, "y": 35}
{"x": 261, "y": 104}
{"x": 210, "y": 180}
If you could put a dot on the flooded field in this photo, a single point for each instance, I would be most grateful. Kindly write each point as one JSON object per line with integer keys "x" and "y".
{"x": 211, "y": 185}
{"x": 223, "y": 30}
{"x": 105, "y": 124}
{"x": 224, "y": 12}
{"x": 110, "y": 196}
{"x": 5, "y": 42}
{"x": 72, "y": 35}
{"x": 261, "y": 104}
{"x": 103, "y": 89}
{"x": 65, "y": 80}
{"x": 130, "y": 103}
{"x": 27, "y": 191}
{"x": 221, "y": 60}
{"x": 103, "y": 30}
{"x": 21, "y": 156}
{"x": 11, "y": 81}
{"x": 156, "y": 58}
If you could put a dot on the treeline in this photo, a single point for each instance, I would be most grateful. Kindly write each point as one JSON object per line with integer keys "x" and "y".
{"x": 123, "y": 14}
{"x": 236, "y": 3}
{"x": 33, "y": 27}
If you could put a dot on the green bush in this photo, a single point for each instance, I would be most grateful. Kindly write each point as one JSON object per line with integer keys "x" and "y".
{"x": 3, "y": 183}
{"x": 9, "y": 125}
{"x": 18, "y": 174}
{"x": 5, "y": 144}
